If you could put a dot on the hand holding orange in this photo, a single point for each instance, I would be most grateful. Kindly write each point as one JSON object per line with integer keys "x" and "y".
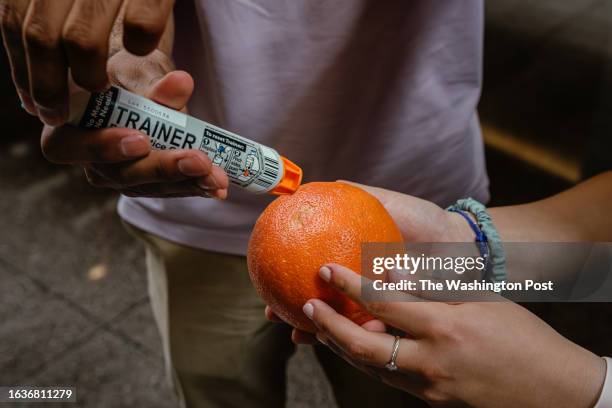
{"x": 297, "y": 234}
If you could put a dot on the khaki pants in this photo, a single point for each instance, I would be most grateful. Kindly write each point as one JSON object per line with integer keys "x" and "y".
{"x": 220, "y": 351}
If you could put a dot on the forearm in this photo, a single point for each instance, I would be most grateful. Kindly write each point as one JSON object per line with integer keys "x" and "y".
{"x": 582, "y": 213}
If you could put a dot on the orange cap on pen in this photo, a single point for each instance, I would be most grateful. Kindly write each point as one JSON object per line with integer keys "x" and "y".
{"x": 292, "y": 178}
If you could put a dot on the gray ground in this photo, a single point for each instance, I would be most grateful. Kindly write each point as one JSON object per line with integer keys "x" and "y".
{"x": 73, "y": 303}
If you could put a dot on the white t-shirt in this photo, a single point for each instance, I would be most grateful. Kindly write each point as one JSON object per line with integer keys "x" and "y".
{"x": 379, "y": 92}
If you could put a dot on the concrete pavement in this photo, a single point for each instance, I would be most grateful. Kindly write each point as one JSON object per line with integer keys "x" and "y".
{"x": 73, "y": 301}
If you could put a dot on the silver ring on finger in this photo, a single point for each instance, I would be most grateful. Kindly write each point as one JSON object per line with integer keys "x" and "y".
{"x": 391, "y": 365}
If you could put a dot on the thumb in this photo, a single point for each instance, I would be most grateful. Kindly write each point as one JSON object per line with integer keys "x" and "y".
{"x": 383, "y": 195}
{"x": 419, "y": 220}
{"x": 152, "y": 76}
{"x": 172, "y": 90}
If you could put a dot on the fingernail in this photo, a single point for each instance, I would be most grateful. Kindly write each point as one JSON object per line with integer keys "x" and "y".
{"x": 191, "y": 167}
{"x": 209, "y": 183}
{"x": 325, "y": 273}
{"x": 51, "y": 117}
{"x": 308, "y": 310}
{"x": 26, "y": 102}
{"x": 134, "y": 146}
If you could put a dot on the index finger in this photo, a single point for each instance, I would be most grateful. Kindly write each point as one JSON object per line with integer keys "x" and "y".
{"x": 414, "y": 317}
{"x": 86, "y": 36}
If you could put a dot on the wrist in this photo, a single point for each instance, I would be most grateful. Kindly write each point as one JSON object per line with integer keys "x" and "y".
{"x": 584, "y": 378}
{"x": 604, "y": 398}
{"x": 595, "y": 376}
{"x": 458, "y": 229}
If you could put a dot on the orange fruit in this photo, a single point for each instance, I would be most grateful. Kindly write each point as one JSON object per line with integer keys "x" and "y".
{"x": 297, "y": 234}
